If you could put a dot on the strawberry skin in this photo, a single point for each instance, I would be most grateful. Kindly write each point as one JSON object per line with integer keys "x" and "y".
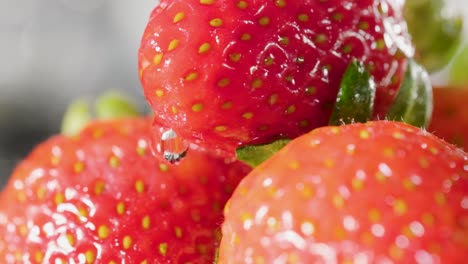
{"x": 230, "y": 73}
{"x": 102, "y": 197}
{"x": 450, "y": 115}
{"x": 381, "y": 192}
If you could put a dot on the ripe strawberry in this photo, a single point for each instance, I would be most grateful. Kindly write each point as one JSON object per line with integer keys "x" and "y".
{"x": 231, "y": 73}
{"x": 102, "y": 197}
{"x": 450, "y": 115}
{"x": 381, "y": 192}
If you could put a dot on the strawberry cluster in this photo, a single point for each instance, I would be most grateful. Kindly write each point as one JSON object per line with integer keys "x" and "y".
{"x": 298, "y": 90}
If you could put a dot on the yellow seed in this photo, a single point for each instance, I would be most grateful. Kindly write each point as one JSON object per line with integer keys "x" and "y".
{"x": 127, "y": 242}
{"x": 329, "y": 163}
{"x": 204, "y": 48}
{"x": 374, "y": 215}
{"x": 103, "y": 232}
{"x": 338, "y": 201}
{"x": 364, "y": 134}
{"x": 264, "y": 21}
{"x": 294, "y": 165}
{"x": 174, "y": 109}
{"x": 206, "y": 2}
{"x": 337, "y": 16}
{"x": 216, "y": 22}
{"x": 197, "y": 107}
{"x": 280, "y": 3}
{"x": 400, "y": 207}
{"x": 246, "y": 37}
{"x": 23, "y": 230}
{"x": 303, "y": 17}
{"x": 398, "y": 135}
{"x": 291, "y": 109}
{"x": 120, "y": 208}
{"x": 380, "y": 44}
{"x": 191, "y": 76}
{"x": 157, "y": 58}
{"x": 178, "y": 17}
{"x": 173, "y": 44}
{"x": 304, "y": 123}
{"x": 99, "y": 187}
{"x": 273, "y": 99}
{"x": 357, "y": 184}
{"x": 311, "y": 90}
{"x": 178, "y": 232}
{"x": 364, "y": 25}
{"x": 139, "y": 186}
{"x": 395, "y": 252}
{"x": 235, "y": 57}
{"x": 71, "y": 239}
{"x": 247, "y": 115}
{"x": 59, "y": 198}
{"x": 226, "y": 105}
{"x": 263, "y": 128}
{"x": 114, "y": 162}
{"x": 159, "y": 93}
{"x": 224, "y": 82}
{"x": 41, "y": 192}
{"x": 284, "y": 41}
{"x": 347, "y": 48}
{"x": 242, "y": 4}
{"x": 38, "y": 257}
{"x": 163, "y": 249}
{"x": 146, "y": 222}
{"x": 257, "y": 83}
{"x": 221, "y": 128}
{"x": 320, "y": 38}
{"x": 163, "y": 167}
{"x": 440, "y": 198}
{"x": 269, "y": 61}
{"x": 90, "y": 257}
{"x": 78, "y": 167}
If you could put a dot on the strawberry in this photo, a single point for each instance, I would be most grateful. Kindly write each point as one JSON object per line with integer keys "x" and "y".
{"x": 450, "y": 115}
{"x": 102, "y": 197}
{"x": 381, "y": 192}
{"x": 225, "y": 74}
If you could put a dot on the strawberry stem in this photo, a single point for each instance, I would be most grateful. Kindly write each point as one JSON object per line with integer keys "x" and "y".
{"x": 253, "y": 155}
{"x": 110, "y": 105}
{"x": 355, "y": 100}
{"x": 413, "y": 104}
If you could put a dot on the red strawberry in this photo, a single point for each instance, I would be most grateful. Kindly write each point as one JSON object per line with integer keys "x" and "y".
{"x": 450, "y": 115}
{"x": 102, "y": 197}
{"x": 381, "y": 192}
{"x": 231, "y": 73}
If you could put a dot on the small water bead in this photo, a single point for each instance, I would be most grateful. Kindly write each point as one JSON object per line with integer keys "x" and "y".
{"x": 173, "y": 147}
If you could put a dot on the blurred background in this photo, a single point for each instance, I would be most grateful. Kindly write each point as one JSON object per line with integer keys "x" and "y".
{"x": 52, "y": 51}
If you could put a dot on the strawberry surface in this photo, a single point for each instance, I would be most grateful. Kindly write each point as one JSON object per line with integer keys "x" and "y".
{"x": 450, "y": 115}
{"x": 381, "y": 192}
{"x": 229, "y": 73}
{"x": 102, "y": 197}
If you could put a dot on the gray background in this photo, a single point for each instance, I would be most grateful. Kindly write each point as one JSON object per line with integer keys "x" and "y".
{"x": 52, "y": 51}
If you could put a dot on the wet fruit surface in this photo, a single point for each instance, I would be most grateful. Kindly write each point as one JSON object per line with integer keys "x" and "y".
{"x": 228, "y": 73}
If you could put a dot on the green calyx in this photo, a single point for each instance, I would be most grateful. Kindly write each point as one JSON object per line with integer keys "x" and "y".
{"x": 253, "y": 155}
{"x": 413, "y": 104}
{"x": 459, "y": 69}
{"x": 435, "y": 32}
{"x": 107, "y": 106}
{"x": 355, "y": 100}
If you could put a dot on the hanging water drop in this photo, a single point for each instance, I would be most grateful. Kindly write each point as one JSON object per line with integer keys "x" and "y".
{"x": 173, "y": 147}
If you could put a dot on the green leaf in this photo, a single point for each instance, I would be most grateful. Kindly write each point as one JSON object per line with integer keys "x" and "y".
{"x": 256, "y": 154}
{"x": 110, "y": 105}
{"x": 435, "y": 32}
{"x": 459, "y": 69}
{"x": 76, "y": 117}
{"x": 114, "y": 105}
{"x": 413, "y": 104}
{"x": 355, "y": 100}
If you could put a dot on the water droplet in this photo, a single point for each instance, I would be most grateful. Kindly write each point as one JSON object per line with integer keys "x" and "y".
{"x": 173, "y": 147}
